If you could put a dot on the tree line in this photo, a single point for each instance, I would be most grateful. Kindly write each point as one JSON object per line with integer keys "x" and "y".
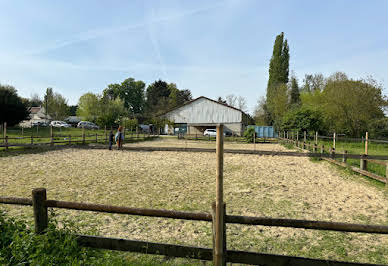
{"x": 325, "y": 104}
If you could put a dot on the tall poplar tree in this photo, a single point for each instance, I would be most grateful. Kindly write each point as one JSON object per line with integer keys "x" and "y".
{"x": 294, "y": 92}
{"x": 278, "y": 74}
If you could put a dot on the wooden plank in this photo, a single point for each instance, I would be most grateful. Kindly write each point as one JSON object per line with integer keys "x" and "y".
{"x": 281, "y": 260}
{"x": 145, "y": 247}
{"x": 377, "y": 162}
{"x": 233, "y": 256}
{"x": 16, "y": 201}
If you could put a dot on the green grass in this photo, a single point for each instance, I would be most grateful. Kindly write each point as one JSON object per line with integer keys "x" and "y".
{"x": 356, "y": 148}
{"x": 42, "y": 135}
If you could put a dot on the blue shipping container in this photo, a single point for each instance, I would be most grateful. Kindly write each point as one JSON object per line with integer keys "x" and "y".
{"x": 264, "y": 131}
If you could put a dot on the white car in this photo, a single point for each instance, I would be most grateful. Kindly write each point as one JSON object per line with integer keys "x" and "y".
{"x": 87, "y": 125}
{"x": 59, "y": 124}
{"x": 210, "y": 132}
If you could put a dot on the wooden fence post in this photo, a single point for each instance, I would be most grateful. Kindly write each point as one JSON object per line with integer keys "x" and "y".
{"x": 6, "y": 143}
{"x": 83, "y": 134}
{"x": 219, "y": 255}
{"x": 334, "y": 140}
{"x": 5, "y": 130}
{"x": 40, "y": 210}
{"x": 316, "y": 137}
{"x": 69, "y": 139}
{"x": 386, "y": 175}
{"x": 363, "y": 162}
{"x": 51, "y": 136}
{"x": 366, "y": 143}
{"x": 214, "y": 229}
{"x": 332, "y": 153}
{"x": 322, "y": 149}
{"x": 345, "y": 156}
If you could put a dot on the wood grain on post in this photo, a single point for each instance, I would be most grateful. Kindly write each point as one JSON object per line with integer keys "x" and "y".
{"x": 40, "y": 210}
{"x": 219, "y": 256}
{"x": 366, "y": 143}
{"x": 363, "y": 162}
{"x": 304, "y": 137}
{"x": 316, "y": 137}
{"x": 334, "y": 140}
{"x": 6, "y": 143}
{"x": 214, "y": 230}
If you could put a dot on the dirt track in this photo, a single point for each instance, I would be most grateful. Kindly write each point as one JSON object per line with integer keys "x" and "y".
{"x": 254, "y": 185}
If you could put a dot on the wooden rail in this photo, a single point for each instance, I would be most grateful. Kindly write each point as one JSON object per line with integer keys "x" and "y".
{"x": 332, "y": 155}
{"x": 40, "y": 205}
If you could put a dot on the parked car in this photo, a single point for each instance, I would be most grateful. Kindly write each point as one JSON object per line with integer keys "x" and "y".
{"x": 59, "y": 124}
{"x": 40, "y": 123}
{"x": 211, "y": 132}
{"x": 87, "y": 125}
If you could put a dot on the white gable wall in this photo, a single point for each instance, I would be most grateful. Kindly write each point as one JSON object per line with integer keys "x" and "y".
{"x": 204, "y": 111}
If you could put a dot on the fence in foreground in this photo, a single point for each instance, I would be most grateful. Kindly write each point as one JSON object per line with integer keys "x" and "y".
{"x": 40, "y": 205}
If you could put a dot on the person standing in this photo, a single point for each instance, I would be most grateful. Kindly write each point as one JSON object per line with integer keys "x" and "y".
{"x": 119, "y": 137}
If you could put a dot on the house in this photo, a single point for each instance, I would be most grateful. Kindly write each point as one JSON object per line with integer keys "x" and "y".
{"x": 204, "y": 113}
{"x": 37, "y": 116}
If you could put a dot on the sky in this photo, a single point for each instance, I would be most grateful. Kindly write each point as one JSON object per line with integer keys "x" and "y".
{"x": 213, "y": 48}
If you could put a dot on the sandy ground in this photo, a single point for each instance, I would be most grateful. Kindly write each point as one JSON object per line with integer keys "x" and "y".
{"x": 254, "y": 185}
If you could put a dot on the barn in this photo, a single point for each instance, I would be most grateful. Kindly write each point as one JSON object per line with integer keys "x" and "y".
{"x": 204, "y": 113}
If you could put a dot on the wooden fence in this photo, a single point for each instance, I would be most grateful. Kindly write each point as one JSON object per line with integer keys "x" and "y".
{"x": 40, "y": 205}
{"x": 330, "y": 154}
{"x": 34, "y": 141}
{"x": 218, "y": 216}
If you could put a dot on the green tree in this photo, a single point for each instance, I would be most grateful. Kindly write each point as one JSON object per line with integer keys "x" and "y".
{"x": 157, "y": 97}
{"x": 279, "y": 104}
{"x": 294, "y": 92}
{"x": 110, "y": 112}
{"x": 278, "y": 74}
{"x": 12, "y": 109}
{"x": 350, "y": 105}
{"x": 55, "y": 105}
{"x": 313, "y": 83}
{"x": 88, "y": 107}
{"x": 303, "y": 119}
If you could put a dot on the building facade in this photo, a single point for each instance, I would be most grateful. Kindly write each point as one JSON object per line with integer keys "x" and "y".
{"x": 204, "y": 113}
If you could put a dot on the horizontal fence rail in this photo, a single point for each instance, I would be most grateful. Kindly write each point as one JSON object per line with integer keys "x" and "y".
{"x": 203, "y": 216}
{"x": 40, "y": 205}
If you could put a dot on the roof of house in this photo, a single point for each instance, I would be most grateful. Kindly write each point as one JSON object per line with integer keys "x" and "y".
{"x": 34, "y": 110}
{"x": 203, "y": 97}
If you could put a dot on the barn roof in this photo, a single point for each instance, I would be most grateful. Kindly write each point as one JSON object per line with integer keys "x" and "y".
{"x": 203, "y": 97}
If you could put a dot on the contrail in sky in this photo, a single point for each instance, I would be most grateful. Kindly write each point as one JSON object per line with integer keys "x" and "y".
{"x": 97, "y": 33}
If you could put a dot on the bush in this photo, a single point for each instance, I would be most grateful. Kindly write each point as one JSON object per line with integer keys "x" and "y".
{"x": 249, "y": 134}
{"x": 20, "y": 245}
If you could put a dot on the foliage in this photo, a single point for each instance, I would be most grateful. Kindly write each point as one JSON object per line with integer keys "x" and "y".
{"x": 249, "y": 134}
{"x": 350, "y": 105}
{"x": 312, "y": 83}
{"x": 103, "y": 111}
{"x": 162, "y": 97}
{"x": 12, "y": 109}
{"x": 278, "y": 75}
{"x": 303, "y": 119}
{"x": 56, "y": 105}
{"x": 109, "y": 111}
{"x": 379, "y": 128}
{"x": 294, "y": 92}
{"x": 129, "y": 123}
{"x": 278, "y": 104}
{"x": 88, "y": 107}
{"x": 20, "y": 245}
{"x": 259, "y": 112}
{"x": 73, "y": 110}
